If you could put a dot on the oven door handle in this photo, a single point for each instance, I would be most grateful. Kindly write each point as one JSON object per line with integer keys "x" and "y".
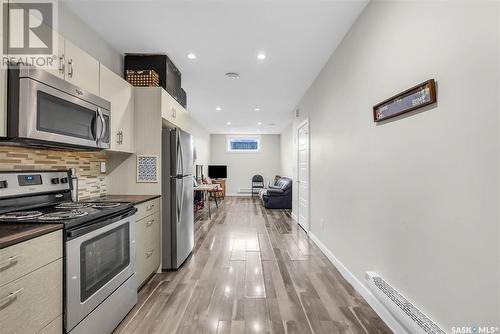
{"x": 95, "y": 225}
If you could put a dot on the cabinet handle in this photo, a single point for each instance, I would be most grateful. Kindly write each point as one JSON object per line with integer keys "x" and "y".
{"x": 62, "y": 64}
{"x": 119, "y": 140}
{"x": 149, "y": 223}
{"x": 9, "y": 262}
{"x": 174, "y": 112}
{"x": 149, "y": 253}
{"x": 7, "y": 300}
{"x": 70, "y": 68}
{"x": 150, "y": 207}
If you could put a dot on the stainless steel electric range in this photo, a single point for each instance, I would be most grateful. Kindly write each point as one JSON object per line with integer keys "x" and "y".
{"x": 99, "y": 245}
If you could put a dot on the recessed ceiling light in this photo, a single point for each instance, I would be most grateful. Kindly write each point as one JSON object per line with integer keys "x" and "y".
{"x": 261, "y": 56}
{"x": 228, "y": 123}
{"x": 257, "y": 109}
{"x": 191, "y": 56}
{"x": 218, "y": 108}
{"x": 232, "y": 75}
{"x": 259, "y": 123}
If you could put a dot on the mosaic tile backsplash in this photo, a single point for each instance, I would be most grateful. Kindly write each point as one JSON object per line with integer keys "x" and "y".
{"x": 91, "y": 182}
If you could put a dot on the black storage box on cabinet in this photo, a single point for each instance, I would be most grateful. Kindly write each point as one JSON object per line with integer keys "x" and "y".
{"x": 170, "y": 76}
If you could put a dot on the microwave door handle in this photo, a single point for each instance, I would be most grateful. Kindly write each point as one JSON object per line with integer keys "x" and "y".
{"x": 94, "y": 127}
{"x": 97, "y": 125}
{"x": 103, "y": 123}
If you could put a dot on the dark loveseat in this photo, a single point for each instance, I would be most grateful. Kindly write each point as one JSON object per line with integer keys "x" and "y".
{"x": 279, "y": 195}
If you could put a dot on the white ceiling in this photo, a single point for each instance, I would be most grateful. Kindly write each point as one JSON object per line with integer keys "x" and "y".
{"x": 297, "y": 37}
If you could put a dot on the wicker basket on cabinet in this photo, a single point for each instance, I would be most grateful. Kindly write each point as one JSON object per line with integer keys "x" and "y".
{"x": 143, "y": 78}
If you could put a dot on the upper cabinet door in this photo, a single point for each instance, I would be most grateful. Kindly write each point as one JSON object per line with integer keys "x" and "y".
{"x": 60, "y": 68}
{"x": 82, "y": 69}
{"x": 121, "y": 95}
{"x": 172, "y": 111}
{"x": 3, "y": 89}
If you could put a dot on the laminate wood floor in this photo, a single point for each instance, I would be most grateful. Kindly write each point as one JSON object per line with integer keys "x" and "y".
{"x": 252, "y": 271}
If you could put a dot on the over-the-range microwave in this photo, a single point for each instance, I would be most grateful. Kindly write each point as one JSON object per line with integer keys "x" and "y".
{"x": 45, "y": 110}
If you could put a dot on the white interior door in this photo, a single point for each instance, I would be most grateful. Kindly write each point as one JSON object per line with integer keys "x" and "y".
{"x": 303, "y": 175}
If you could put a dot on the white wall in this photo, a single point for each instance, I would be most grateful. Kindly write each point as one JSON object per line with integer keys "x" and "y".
{"x": 201, "y": 143}
{"x": 417, "y": 198}
{"x": 288, "y": 167}
{"x": 83, "y": 36}
{"x": 242, "y": 166}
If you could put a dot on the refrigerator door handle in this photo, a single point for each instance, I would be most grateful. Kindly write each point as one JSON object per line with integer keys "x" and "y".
{"x": 177, "y": 202}
{"x": 181, "y": 154}
{"x": 182, "y": 201}
{"x": 177, "y": 153}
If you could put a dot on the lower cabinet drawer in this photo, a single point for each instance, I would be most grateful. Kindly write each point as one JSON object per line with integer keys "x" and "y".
{"x": 32, "y": 302}
{"x": 25, "y": 257}
{"x": 147, "y": 247}
{"x": 147, "y": 208}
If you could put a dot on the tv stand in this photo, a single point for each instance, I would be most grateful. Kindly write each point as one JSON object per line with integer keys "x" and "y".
{"x": 222, "y": 183}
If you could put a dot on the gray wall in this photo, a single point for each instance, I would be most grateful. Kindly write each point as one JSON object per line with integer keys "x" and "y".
{"x": 83, "y": 36}
{"x": 242, "y": 166}
{"x": 417, "y": 198}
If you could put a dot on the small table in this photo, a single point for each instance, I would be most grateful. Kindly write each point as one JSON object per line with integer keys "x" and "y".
{"x": 206, "y": 189}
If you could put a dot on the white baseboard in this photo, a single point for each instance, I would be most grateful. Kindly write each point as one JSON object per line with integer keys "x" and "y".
{"x": 363, "y": 290}
{"x": 294, "y": 217}
{"x": 239, "y": 195}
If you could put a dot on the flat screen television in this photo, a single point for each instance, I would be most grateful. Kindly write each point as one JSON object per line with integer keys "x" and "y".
{"x": 217, "y": 172}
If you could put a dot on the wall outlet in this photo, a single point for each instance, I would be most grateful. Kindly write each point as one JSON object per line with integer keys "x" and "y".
{"x": 102, "y": 167}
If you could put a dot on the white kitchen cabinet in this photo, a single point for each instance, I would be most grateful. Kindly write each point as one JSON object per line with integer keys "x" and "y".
{"x": 3, "y": 102}
{"x": 3, "y": 92}
{"x": 172, "y": 111}
{"x": 148, "y": 246}
{"x": 60, "y": 69}
{"x": 82, "y": 69}
{"x": 31, "y": 287}
{"x": 121, "y": 95}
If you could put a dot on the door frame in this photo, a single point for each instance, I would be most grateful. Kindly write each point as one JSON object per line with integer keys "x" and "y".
{"x": 304, "y": 123}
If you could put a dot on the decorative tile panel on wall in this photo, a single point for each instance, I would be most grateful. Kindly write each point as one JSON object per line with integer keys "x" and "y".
{"x": 91, "y": 182}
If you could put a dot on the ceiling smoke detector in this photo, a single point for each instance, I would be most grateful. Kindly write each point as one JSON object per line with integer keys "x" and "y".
{"x": 232, "y": 75}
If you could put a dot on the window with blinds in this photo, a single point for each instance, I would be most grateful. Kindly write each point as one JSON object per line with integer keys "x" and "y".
{"x": 243, "y": 144}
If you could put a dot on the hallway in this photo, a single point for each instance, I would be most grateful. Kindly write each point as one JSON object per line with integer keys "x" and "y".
{"x": 252, "y": 270}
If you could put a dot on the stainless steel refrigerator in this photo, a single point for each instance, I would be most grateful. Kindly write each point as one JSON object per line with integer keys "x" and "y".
{"x": 177, "y": 197}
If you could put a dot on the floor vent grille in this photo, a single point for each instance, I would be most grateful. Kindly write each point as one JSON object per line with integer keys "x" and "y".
{"x": 407, "y": 313}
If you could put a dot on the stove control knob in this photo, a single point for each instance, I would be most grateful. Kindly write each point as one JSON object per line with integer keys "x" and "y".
{"x": 55, "y": 180}
{"x": 3, "y": 184}
{"x": 64, "y": 180}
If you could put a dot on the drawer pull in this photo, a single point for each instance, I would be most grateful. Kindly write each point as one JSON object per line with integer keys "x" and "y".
{"x": 150, "y": 207}
{"x": 149, "y": 223}
{"x": 9, "y": 262}
{"x": 7, "y": 300}
{"x": 149, "y": 253}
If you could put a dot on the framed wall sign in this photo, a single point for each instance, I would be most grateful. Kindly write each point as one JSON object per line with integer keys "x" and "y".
{"x": 411, "y": 99}
{"x": 147, "y": 168}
